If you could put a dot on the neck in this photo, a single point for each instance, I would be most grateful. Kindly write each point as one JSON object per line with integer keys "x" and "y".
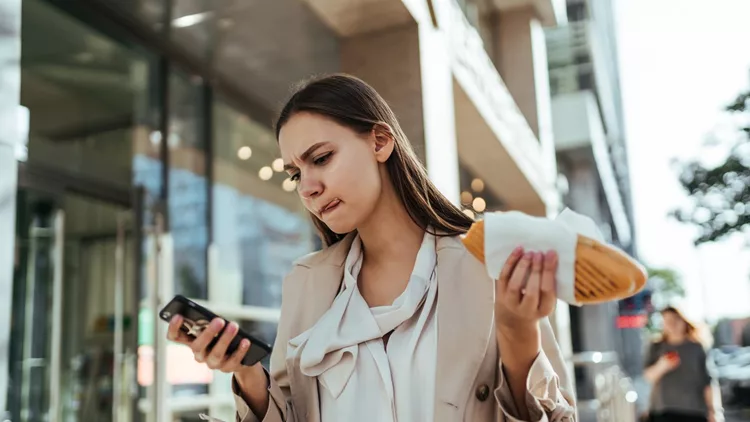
{"x": 675, "y": 338}
{"x": 390, "y": 235}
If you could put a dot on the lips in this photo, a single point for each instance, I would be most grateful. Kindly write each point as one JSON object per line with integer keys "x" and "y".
{"x": 331, "y": 205}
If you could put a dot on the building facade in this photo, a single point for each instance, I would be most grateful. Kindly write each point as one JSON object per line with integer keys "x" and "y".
{"x": 139, "y": 162}
{"x": 592, "y": 156}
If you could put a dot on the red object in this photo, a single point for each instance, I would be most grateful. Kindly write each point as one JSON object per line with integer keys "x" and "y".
{"x": 673, "y": 357}
{"x": 631, "y": 321}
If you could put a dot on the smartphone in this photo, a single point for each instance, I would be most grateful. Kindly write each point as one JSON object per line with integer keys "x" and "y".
{"x": 196, "y": 318}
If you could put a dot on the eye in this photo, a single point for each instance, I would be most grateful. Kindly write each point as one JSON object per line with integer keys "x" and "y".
{"x": 323, "y": 159}
{"x": 294, "y": 177}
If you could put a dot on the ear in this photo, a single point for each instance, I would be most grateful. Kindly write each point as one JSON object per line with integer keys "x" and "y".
{"x": 384, "y": 141}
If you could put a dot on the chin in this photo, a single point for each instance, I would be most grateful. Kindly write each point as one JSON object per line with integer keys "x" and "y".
{"x": 340, "y": 227}
{"x": 341, "y": 223}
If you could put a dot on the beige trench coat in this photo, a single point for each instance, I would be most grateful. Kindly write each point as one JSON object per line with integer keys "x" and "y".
{"x": 468, "y": 368}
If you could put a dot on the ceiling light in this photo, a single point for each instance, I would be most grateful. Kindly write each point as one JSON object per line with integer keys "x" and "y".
{"x": 155, "y": 137}
{"x": 278, "y": 165}
{"x": 173, "y": 140}
{"x": 265, "y": 173}
{"x": 479, "y": 204}
{"x": 289, "y": 185}
{"x": 466, "y": 197}
{"x": 244, "y": 153}
{"x": 190, "y": 20}
{"x": 477, "y": 185}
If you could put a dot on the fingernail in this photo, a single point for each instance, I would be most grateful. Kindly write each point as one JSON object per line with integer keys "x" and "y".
{"x": 517, "y": 251}
{"x": 528, "y": 255}
{"x": 232, "y": 328}
{"x": 176, "y": 320}
{"x": 538, "y": 258}
{"x": 217, "y": 323}
{"x": 244, "y": 344}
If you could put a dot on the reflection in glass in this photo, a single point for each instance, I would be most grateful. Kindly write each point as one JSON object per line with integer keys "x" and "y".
{"x": 84, "y": 93}
{"x": 32, "y": 294}
{"x": 188, "y": 189}
{"x": 259, "y": 229}
{"x": 91, "y": 126}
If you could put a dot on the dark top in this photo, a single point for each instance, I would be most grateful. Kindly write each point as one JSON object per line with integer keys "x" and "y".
{"x": 682, "y": 389}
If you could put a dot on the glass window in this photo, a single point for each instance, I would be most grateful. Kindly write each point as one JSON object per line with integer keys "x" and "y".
{"x": 91, "y": 118}
{"x": 259, "y": 224}
{"x": 87, "y": 99}
{"x": 188, "y": 184}
{"x": 577, "y": 11}
{"x": 478, "y": 196}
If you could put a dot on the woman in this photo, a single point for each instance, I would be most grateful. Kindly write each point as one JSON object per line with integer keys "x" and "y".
{"x": 393, "y": 320}
{"x": 676, "y": 368}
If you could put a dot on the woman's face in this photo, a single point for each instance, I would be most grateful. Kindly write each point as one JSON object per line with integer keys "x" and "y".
{"x": 336, "y": 169}
{"x": 673, "y": 324}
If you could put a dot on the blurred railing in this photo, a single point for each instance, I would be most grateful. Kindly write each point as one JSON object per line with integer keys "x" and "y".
{"x": 614, "y": 393}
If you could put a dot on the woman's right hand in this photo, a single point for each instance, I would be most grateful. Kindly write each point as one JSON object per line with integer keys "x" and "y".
{"x": 216, "y": 357}
{"x": 252, "y": 380}
{"x": 667, "y": 363}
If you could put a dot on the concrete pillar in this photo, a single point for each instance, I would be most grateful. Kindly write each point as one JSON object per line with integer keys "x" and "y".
{"x": 10, "y": 86}
{"x": 389, "y": 61}
{"x": 520, "y": 55}
{"x": 409, "y": 66}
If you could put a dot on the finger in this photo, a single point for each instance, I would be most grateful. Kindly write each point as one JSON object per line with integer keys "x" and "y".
{"x": 219, "y": 351}
{"x": 204, "y": 339}
{"x": 235, "y": 361}
{"x": 530, "y": 299}
{"x": 173, "y": 333}
{"x": 519, "y": 277}
{"x": 510, "y": 264}
{"x": 183, "y": 338}
{"x": 548, "y": 287}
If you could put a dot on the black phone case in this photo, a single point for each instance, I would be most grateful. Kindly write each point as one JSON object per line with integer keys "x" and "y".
{"x": 196, "y": 318}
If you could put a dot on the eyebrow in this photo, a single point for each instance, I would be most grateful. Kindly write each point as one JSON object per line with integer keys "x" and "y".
{"x": 305, "y": 155}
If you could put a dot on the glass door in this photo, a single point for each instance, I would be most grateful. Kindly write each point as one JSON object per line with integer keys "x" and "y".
{"x": 36, "y": 278}
{"x": 84, "y": 235}
{"x": 76, "y": 307}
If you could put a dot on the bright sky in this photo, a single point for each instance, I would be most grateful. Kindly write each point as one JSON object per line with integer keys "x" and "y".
{"x": 681, "y": 61}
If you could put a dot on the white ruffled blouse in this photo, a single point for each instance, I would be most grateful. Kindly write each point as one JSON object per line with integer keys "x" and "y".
{"x": 359, "y": 377}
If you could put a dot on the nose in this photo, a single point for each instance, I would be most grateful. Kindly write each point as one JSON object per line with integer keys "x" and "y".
{"x": 309, "y": 187}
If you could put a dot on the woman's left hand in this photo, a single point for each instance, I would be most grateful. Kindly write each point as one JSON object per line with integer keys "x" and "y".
{"x": 525, "y": 291}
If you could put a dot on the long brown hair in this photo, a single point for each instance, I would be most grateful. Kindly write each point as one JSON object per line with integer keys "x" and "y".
{"x": 691, "y": 331}
{"x": 353, "y": 103}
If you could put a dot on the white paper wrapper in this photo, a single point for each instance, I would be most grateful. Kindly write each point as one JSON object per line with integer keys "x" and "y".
{"x": 504, "y": 231}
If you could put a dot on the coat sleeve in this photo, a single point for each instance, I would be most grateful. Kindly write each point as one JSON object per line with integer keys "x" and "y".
{"x": 549, "y": 396}
{"x": 280, "y": 407}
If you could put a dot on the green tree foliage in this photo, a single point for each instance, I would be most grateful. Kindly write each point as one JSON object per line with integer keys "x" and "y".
{"x": 721, "y": 194}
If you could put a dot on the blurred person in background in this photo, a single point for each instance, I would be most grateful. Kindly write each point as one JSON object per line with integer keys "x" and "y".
{"x": 677, "y": 369}
{"x": 361, "y": 336}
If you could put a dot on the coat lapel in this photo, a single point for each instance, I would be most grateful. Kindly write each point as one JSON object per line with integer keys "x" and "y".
{"x": 465, "y": 319}
{"x": 325, "y": 272}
